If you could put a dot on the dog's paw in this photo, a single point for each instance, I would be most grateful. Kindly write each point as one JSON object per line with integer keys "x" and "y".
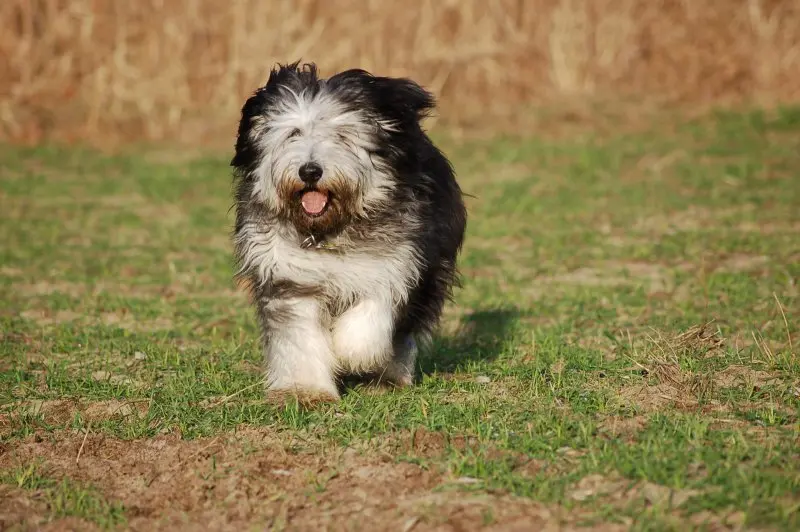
{"x": 398, "y": 375}
{"x": 400, "y": 370}
{"x": 303, "y": 397}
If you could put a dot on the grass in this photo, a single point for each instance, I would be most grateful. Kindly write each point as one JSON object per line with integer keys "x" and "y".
{"x": 65, "y": 498}
{"x": 625, "y": 346}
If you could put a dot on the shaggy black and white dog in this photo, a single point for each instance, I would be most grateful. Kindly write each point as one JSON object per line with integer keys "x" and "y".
{"x": 348, "y": 224}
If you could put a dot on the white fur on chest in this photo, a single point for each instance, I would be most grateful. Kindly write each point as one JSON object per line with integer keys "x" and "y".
{"x": 387, "y": 276}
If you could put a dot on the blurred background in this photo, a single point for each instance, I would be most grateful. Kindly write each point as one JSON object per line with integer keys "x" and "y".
{"x": 102, "y": 70}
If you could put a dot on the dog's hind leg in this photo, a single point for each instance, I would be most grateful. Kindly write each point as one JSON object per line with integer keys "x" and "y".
{"x": 400, "y": 370}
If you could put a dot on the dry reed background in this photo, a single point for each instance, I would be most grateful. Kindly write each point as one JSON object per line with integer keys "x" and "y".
{"x": 155, "y": 69}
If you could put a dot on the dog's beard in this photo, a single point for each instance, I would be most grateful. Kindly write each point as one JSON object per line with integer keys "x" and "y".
{"x": 319, "y": 210}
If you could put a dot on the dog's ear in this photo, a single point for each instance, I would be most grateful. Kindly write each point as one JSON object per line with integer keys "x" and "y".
{"x": 397, "y": 99}
{"x": 403, "y": 99}
{"x": 252, "y": 109}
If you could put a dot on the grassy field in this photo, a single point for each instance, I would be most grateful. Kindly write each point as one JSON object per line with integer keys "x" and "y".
{"x": 625, "y": 351}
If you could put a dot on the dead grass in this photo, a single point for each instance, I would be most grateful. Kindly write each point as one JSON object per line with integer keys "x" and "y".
{"x": 626, "y": 428}
{"x": 154, "y": 69}
{"x": 660, "y": 359}
{"x": 670, "y": 384}
{"x": 621, "y": 493}
{"x": 654, "y": 277}
{"x": 122, "y": 319}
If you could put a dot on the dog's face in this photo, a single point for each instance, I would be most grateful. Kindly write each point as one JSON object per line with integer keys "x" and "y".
{"x": 321, "y": 152}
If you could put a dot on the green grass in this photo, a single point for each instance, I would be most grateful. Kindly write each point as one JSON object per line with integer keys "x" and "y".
{"x": 585, "y": 259}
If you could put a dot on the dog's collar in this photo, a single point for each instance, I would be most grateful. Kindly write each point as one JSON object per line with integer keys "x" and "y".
{"x": 313, "y": 242}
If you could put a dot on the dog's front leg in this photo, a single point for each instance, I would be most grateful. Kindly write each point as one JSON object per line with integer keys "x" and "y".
{"x": 297, "y": 350}
{"x": 362, "y": 336}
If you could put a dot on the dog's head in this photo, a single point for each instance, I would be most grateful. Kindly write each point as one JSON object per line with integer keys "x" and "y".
{"x": 322, "y": 152}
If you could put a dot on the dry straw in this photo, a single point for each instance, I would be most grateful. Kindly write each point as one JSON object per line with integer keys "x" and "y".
{"x": 156, "y": 69}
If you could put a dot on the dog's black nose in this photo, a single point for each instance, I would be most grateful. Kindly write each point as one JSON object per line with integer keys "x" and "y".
{"x": 310, "y": 173}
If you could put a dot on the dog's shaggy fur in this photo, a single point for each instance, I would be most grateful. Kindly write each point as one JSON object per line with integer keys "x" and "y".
{"x": 348, "y": 224}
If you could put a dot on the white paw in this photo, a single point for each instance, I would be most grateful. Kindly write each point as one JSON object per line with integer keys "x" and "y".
{"x": 324, "y": 386}
{"x": 362, "y": 337}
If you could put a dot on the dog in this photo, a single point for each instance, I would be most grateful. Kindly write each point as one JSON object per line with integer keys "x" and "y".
{"x": 349, "y": 221}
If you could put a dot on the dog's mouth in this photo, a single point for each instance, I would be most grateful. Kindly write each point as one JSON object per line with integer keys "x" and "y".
{"x": 314, "y": 201}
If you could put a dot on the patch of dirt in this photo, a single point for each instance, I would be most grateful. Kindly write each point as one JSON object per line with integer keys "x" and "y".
{"x": 621, "y": 492}
{"x": 267, "y": 479}
{"x": 649, "y": 398}
{"x": 127, "y": 321}
{"x": 122, "y": 320}
{"x": 181, "y": 284}
{"x": 46, "y": 288}
{"x": 743, "y": 263}
{"x": 7, "y": 271}
{"x": 655, "y": 278}
{"x": 732, "y": 519}
{"x": 15, "y": 503}
{"x": 61, "y": 411}
{"x": 426, "y": 442}
{"x": 734, "y": 376}
{"x": 626, "y": 428}
{"x": 763, "y": 435}
{"x": 769, "y": 228}
{"x": 46, "y": 318}
{"x": 691, "y": 219}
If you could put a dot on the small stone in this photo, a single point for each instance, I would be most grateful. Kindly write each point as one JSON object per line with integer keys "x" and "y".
{"x": 409, "y": 524}
{"x": 124, "y": 410}
{"x": 101, "y": 375}
{"x": 656, "y": 494}
{"x": 350, "y": 453}
{"x": 482, "y": 379}
{"x": 569, "y": 453}
{"x": 33, "y": 407}
{"x": 281, "y": 472}
{"x": 120, "y": 379}
{"x": 138, "y": 355}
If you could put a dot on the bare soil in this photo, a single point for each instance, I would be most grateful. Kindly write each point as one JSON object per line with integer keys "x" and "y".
{"x": 264, "y": 478}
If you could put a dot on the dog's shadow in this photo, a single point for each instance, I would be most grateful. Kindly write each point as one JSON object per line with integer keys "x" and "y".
{"x": 480, "y": 337}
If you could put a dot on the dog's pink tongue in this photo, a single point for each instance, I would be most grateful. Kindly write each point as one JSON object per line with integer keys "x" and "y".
{"x": 314, "y": 201}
